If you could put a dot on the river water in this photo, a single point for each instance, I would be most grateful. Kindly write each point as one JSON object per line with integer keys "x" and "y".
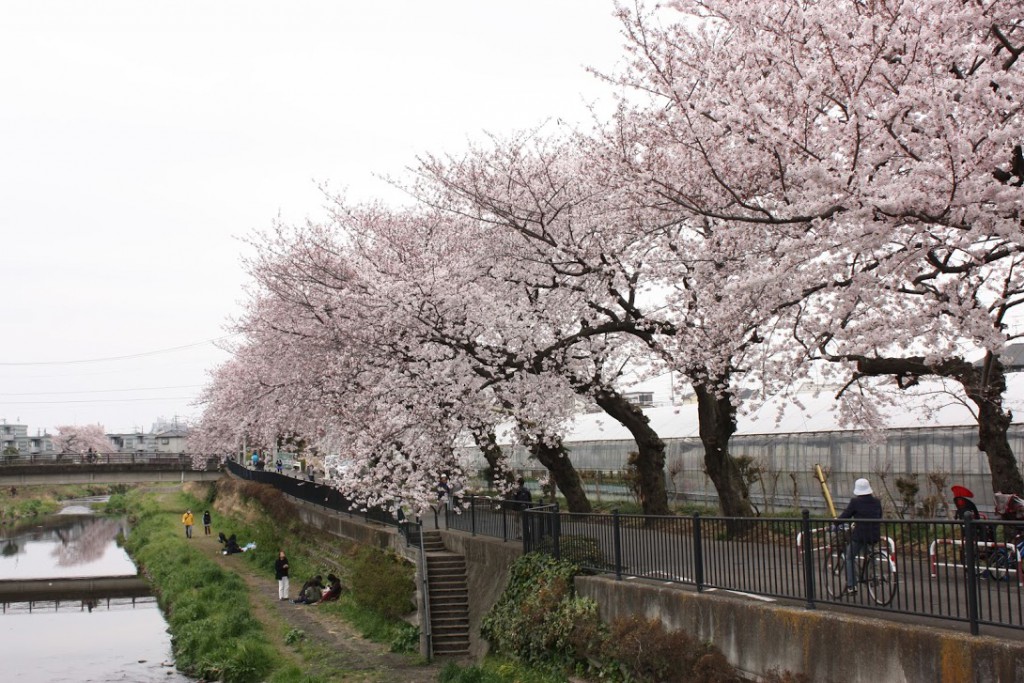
{"x": 75, "y": 638}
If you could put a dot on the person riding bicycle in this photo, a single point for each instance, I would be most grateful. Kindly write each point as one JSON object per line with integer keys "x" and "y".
{"x": 862, "y": 506}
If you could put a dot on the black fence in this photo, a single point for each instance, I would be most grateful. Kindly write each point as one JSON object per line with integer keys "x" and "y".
{"x": 966, "y": 571}
{"x": 324, "y": 496}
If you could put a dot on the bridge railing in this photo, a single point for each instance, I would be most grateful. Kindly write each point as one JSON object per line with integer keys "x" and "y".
{"x": 171, "y": 460}
{"x": 965, "y": 571}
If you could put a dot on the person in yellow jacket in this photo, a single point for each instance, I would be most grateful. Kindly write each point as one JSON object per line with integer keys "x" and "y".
{"x": 187, "y": 520}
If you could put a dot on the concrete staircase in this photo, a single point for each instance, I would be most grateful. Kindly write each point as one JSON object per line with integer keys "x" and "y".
{"x": 449, "y": 598}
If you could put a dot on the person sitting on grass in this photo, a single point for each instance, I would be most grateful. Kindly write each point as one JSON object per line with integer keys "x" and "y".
{"x": 311, "y": 591}
{"x": 230, "y": 544}
{"x": 333, "y": 591}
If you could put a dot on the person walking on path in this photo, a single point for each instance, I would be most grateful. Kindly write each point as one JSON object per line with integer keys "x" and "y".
{"x": 863, "y": 505}
{"x": 187, "y": 519}
{"x": 207, "y": 520}
{"x": 281, "y": 572}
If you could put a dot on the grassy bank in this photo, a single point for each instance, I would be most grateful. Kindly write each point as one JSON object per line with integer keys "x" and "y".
{"x": 214, "y": 635}
{"x": 381, "y": 586}
{"x": 20, "y": 503}
{"x": 225, "y": 626}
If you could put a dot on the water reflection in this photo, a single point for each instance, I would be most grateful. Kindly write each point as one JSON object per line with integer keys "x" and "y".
{"x": 114, "y": 644}
{"x": 97, "y": 631}
{"x": 65, "y": 546}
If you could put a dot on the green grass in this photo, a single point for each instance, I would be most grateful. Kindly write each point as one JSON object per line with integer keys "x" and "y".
{"x": 35, "y": 501}
{"x": 399, "y": 635}
{"x": 498, "y": 670}
{"x": 213, "y": 634}
{"x": 304, "y": 547}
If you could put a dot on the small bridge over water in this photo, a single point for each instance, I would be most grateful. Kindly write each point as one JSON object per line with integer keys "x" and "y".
{"x": 108, "y": 468}
{"x": 95, "y": 588}
{"x": 39, "y": 596}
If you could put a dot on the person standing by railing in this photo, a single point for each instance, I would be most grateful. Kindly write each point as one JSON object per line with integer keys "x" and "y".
{"x": 862, "y": 506}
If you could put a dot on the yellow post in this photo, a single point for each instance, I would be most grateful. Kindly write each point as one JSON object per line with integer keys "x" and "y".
{"x": 820, "y": 476}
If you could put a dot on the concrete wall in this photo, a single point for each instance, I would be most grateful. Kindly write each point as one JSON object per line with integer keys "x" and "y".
{"x": 352, "y": 528}
{"x": 756, "y": 637}
{"x": 826, "y": 646}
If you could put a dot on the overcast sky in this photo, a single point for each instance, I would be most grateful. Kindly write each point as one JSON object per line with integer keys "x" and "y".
{"x": 140, "y": 140}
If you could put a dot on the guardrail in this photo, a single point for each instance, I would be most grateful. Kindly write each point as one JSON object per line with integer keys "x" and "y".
{"x": 175, "y": 460}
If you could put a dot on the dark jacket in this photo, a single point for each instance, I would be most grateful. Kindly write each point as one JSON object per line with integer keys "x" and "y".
{"x": 522, "y": 495}
{"x": 864, "y": 507}
{"x": 281, "y": 568}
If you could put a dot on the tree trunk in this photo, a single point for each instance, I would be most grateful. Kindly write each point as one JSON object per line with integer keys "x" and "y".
{"x": 985, "y": 387}
{"x": 716, "y": 417}
{"x": 650, "y": 449}
{"x": 565, "y": 476}
{"x": 488, "y": 445}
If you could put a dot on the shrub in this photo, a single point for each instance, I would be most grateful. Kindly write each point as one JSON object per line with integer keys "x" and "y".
{"x": 116, "y": 505}
{"x": 644, "y": 650}
{"x": 582, "y": 550}
{"x": 407, "y": 639}
{"x": 382, "y": 582}
{"x": 497, "y": 670}
{"x": 538, "y": 618}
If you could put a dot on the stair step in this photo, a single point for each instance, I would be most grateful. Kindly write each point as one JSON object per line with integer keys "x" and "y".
{"x": 447, "y": 620}
{"x": 447, "y": 582}
{"x": 449, "y": 609}
{"x": 448, "y": 595}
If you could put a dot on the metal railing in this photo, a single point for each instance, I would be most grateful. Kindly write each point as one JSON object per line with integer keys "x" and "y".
{"x": 172, "y": 460}
{"x": 487, "y": 516}
{"x": 327, "y": 497}
{"x": 966, "y": 571}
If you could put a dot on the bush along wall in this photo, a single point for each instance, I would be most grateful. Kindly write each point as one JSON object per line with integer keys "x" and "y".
{"x": 541, "y": 621}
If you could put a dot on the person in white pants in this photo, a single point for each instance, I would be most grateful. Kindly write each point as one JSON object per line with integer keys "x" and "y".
{"x": 281, "y": 572}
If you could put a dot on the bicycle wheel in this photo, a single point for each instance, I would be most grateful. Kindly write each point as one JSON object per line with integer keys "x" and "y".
{"x": 999, "y": 564}
{"x": 880, "y": 577}
{"x": 834, "y": 577}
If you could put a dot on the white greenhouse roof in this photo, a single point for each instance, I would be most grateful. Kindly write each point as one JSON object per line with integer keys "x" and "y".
{"x": 803, "y": 412}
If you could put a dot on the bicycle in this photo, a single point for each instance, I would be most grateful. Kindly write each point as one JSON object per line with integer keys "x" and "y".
{"x": 1004, "y": 559}
{"x": 876, "y": 569}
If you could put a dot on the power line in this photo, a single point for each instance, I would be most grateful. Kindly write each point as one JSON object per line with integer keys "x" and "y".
{"x": 101, "y": 391}
{"x": 97, "y": 400}
{"x": 117, "y": 358}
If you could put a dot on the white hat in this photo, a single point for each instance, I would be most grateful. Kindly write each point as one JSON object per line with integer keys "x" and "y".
{"x": 861, "y": 487}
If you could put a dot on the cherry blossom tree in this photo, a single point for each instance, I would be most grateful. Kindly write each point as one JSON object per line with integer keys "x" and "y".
{"x": 568, "y": 264}
{"x": 79, "y": 439}
{"x": 865, "y": 153}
